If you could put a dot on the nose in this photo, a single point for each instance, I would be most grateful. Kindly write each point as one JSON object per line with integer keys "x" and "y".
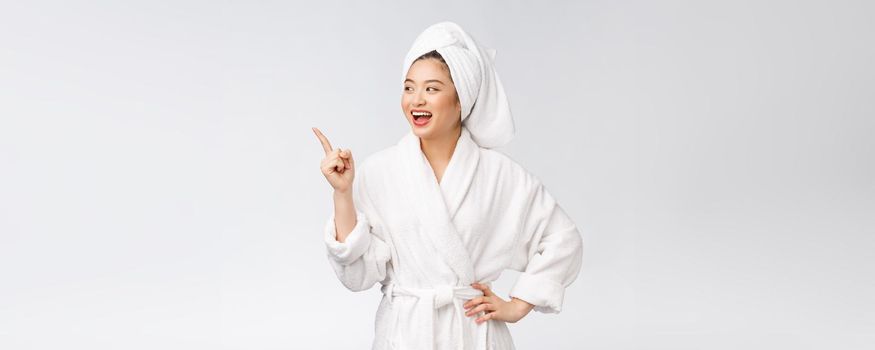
{"x": 419, "y": 99}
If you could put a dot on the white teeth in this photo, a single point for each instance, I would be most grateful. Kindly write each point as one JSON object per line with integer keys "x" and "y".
{"x": 420, "y": 114}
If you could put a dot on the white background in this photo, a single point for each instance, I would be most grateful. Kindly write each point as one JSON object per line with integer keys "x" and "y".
{"x": 159, "y": 182}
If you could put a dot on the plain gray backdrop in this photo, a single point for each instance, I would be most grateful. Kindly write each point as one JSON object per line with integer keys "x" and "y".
{"x": 160, "y": 185}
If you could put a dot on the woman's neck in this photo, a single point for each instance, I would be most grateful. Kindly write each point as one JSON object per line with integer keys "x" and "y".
{"x": 440, "y": 150}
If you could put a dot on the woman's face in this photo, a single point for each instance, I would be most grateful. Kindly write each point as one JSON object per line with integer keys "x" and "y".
{"x": 429, "y": 91}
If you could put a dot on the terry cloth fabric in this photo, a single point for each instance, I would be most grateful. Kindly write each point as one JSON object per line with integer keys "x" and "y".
{"x": 426, "y": 241}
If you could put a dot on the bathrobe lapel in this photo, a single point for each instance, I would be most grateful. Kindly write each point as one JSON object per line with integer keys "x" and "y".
{"x": 436, "y": 204}
{"x": 459, "y": 173}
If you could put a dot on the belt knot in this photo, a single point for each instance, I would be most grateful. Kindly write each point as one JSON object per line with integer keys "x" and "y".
{"x": 443, "y": 295}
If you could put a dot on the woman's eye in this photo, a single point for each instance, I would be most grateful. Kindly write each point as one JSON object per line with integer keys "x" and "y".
{"x": 430, "y": 88}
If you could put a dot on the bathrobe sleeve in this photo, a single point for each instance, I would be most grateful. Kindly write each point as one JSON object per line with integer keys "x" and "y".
{"x": 549, "y": 253}
{"x": 360, "y": 261}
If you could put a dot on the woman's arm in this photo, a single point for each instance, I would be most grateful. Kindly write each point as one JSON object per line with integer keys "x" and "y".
{"x": 359, "y": 257}
{"x": 344, "y": 214}
{"x": 338, "y": 167}
{"x": 550, "y": 253}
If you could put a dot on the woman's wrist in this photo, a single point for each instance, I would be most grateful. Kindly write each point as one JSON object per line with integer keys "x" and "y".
{"x": 342, "y": 193}
{"x": 344, "y": 214}
{"x": 522, "y": 306}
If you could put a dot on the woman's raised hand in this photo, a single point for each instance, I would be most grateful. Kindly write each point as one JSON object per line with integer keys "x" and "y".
{"x": 337, "y": 166}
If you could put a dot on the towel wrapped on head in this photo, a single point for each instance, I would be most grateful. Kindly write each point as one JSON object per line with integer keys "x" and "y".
{"x": 485, "y": 109}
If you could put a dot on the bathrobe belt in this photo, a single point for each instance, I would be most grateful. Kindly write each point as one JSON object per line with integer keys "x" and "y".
{"x": 432, "y": 299}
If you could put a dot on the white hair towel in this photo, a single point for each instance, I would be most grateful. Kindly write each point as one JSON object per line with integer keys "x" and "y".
{"x": 485, "y": 109}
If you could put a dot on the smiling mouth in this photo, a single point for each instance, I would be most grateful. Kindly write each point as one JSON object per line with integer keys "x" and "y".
{"x": 420, "y": 117}
{"x": 417, "y": 115}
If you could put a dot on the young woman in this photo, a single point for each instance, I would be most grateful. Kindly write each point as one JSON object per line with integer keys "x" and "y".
{"x": 438, "y": 216}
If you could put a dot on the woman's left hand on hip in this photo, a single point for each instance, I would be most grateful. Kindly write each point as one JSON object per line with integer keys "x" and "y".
{"x": 495, "y": 307}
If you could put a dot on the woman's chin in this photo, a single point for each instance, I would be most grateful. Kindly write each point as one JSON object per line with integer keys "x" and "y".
{"x": 421, "y": 131}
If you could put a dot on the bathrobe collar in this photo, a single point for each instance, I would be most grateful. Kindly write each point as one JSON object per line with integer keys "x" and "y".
{"x": 435, "y": 204}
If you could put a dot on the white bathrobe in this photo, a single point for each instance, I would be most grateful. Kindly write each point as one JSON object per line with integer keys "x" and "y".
{"x": 426, "y": 242}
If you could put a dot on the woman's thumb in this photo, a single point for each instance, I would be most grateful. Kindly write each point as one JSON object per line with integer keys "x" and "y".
{"x": 348, "y": 155}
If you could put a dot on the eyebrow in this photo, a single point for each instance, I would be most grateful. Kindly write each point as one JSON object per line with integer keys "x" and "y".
{"x": 427, "y": 81}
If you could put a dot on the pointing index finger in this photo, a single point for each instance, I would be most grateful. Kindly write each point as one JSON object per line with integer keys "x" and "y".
{"x": 322, "y": 139}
